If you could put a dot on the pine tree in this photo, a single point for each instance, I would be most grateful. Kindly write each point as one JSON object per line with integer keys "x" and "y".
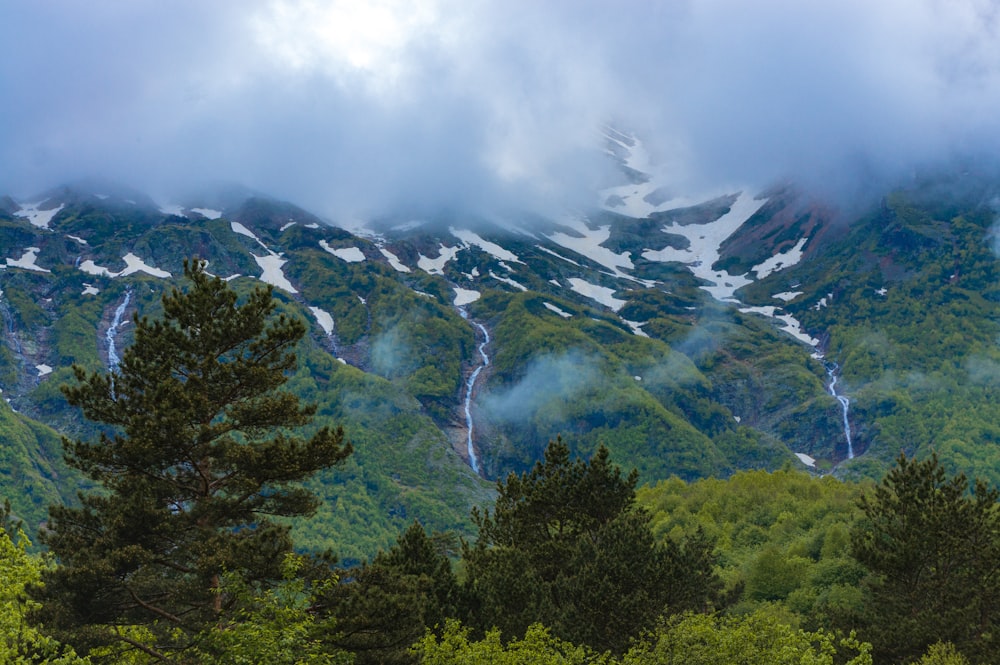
{"x": 384, "y": 606}
{"x": 199, "y": 455}
{"x": 934, "y": 551}
{"x": 567, "y": 546}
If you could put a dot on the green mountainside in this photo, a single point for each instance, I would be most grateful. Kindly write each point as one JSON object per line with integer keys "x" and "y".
{"x": 593, "y": 333}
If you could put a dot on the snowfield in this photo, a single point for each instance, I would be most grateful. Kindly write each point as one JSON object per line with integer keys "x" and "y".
{"x": 465, "y": 296}
{"x": 436, "y": 266}
{"x": 349, "y": 254}
{"x": 27, "y": 261}
{"x": 705, "y": 241}
{"x": 601, "y": 294}
{"x": 324, "y": 319}
{"x": 394, "y": 261}
{"x": 273, "y": 275}
{"x": 491, "y": 248}
{"x": 590, "y": 245}
{"x": 39, "y": 218}
{"x": 133, "y": 264}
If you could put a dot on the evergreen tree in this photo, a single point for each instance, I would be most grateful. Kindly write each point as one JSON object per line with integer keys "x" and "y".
{"x": 934, "y": 551}
{"x": 198, "y": 456}
{"x": 385, "y": 606}
{"x": 567, "y": 546}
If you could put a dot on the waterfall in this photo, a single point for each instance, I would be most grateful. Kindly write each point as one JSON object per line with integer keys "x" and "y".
{"x": 112, "y": 333}
{"x": 8, "y": 320}
{"x": 473, "y": 461}
{"x": 845, "y": 404}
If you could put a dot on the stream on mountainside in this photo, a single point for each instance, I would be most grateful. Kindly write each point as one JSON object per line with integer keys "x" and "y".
{"x": 845, "y": 404}
{"x": 8, "y": 320}
{"x": 473, "y": 460}
{"x": 112, "y": 333}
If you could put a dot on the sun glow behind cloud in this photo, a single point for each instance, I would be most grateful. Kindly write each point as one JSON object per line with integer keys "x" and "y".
{"x": 346, "y": 39}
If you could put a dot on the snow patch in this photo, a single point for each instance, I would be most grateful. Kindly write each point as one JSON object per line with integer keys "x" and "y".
{"x": 792, "y": 325}
{"x": 590, "y": 245}
{"x": 637, "y": 200}
{"x": 557, "y": 310}
{"x": 242, "y": 230}
{"x": 349, "y": 254}
{"x": 636, "y": 327}
{"x": 558, "y": 256}
{"x": 27, "y": 261}
{"x": 703, "y": 250}
{"x": 495, "y": 250}
{"x": 508, "y": 280}
{"x": 780, "y": 260}
{"x": 393, "y": 260}
{"x": 465, "y": 296}
{"x": 89, "y": 290}
{"x": 43, "y": 369}
{"x": 436, "y": 266}
{"x": 77, "y": 238}
{"x": 805, "y": 459}
{"x": 273, "y": 275}
{"x": 601, "y": 294}
{"x": 324, "y": 319}
{"x": 787, "y": 296}
{"x": 285, "y": 227}
{"x": 39, "y": 218}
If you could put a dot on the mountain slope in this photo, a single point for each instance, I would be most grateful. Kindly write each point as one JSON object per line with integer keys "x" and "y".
{"x": 694, "y": 339}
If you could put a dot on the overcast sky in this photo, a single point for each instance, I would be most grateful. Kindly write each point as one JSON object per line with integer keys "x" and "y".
{"x": 354, "y": 108}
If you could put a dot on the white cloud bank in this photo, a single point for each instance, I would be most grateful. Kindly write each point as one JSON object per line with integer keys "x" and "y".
{"x": 360, "y": 108}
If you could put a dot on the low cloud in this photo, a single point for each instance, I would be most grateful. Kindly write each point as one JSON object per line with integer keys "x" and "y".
{"x": 984, "y": 371}
{"x": 548, "y": 383}
{"x": 359, "y": 109}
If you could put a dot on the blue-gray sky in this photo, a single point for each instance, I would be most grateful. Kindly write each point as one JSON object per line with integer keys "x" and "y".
{"x": 351, "y": 108}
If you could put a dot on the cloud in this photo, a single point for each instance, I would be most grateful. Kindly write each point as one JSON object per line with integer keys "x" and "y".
{"x": 549, "y": 384}
{"x": 356, "y": 109}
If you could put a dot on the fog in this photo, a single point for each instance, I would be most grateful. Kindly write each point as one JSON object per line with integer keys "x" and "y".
{"x": 358, "y": 109}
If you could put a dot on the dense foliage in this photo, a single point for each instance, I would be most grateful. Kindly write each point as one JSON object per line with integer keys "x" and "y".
{"x": 783, "y": 538}
{"x": 907, "y": 566}
{"x": 566, "y": 545}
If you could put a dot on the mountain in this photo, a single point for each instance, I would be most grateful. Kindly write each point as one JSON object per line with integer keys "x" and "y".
{"x": 693, "y": 337}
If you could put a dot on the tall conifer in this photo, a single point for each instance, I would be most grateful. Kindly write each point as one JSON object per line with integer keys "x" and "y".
{"x": 934, "y": 552}
{"x": 199, "y": 455}
{"x": 567, "y": 546}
